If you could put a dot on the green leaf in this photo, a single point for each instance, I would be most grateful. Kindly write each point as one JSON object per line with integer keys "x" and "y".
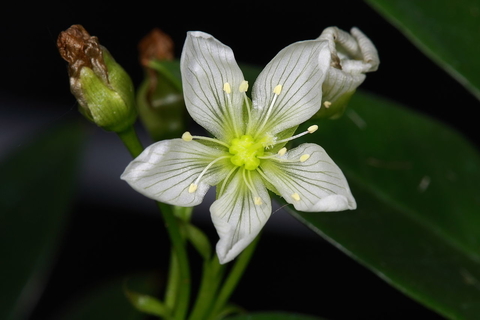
{"x": 148, "y": 304}
{"x": 273, "y": 316}
{"x": 108, "y": 301}
{"x": 35, "y": 193}
{"x": 416, "y": 184}
{"x": 446, "y": 31}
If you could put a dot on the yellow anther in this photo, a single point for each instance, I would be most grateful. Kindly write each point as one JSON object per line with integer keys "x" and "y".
{"x": 312, "y": 129}
{"x": 277, "y": 89}
{"x": 186, "y": 136}
{"x": 296, "y": 197}
{"x": 226, "y": 87}
{"x": 243, "y": 86}
{"x": 193, "y": 187}
{"x": 327, "y": 104}
{"x": 282, "y": 151}
{"x": 304, "y": 157}
{"x": 257, "y": 201}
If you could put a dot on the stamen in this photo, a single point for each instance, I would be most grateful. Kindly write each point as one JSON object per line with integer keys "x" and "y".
{"x": 227, "y": 88}
{"x": 264, "y": 176}
{"x": 282, "y": 151}
{"x": 186, "y": 136}
{"x": 248, "y": 182}
{"x": 193, "y": 187}
{"x": 304, "y": 157}
{"x": 310, "y": 129}
{"x": 243, "y": 89}
{"x": 243, "y": 86}
{"x": 327, "y": 104}
{"x": 226, "y": 179}
{"x": 277, "y": 89}
{"x": 296, "y": 197}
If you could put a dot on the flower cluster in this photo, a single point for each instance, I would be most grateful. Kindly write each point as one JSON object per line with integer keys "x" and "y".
{"x": 246, "y": 156}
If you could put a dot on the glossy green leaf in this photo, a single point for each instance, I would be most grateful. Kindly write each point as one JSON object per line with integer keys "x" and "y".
{"x": 416, "y": 184}
{"x": 35, "y": 193}
{"x": 446, "y": 31}
{"x": 273, "y": 316}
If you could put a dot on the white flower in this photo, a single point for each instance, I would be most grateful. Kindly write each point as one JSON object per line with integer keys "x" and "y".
{"x": 247, "y": 155}
{"x": 353, "y": 55}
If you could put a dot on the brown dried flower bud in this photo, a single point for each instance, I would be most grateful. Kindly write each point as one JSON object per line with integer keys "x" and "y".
{"x": 156, "y": 45}
{"x": 103, "y": 89}
{"x": 80, "y": 50}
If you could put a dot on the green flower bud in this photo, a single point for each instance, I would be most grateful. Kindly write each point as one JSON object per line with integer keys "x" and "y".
{"x": 101, "y": 86}
{"x": 352, "y": 55}
{"x": 160, "y": 102}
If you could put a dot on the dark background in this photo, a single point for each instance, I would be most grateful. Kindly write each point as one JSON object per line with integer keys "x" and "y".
{"x": 112, "y": 231}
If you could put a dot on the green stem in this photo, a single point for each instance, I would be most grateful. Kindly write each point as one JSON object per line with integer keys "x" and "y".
{"x": 173, "y": 283}
{"x": 212, "y": 275}
{"x": 179, "y": 245}
{"x": 130, "y": 140}
{"x": 233, "y": 279}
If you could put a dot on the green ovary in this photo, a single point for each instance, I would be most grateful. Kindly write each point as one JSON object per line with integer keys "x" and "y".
{"x": 246, "y": 151}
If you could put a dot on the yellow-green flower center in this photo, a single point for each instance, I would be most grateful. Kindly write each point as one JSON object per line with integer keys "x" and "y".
{"x": 245, "y": 151}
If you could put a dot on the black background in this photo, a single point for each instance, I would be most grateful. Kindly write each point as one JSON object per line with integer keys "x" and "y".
{"x": 103, "y": 240}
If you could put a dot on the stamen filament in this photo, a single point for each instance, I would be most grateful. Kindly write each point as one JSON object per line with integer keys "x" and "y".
{"x": 229, "y": 107}
{"x": 193, "y": 187}
{"x": 276, "y": 92}
{"x": 248, "y": 182}
{"x": 245, "y": 98}
{"x": 188, "y": 137}
{"x": 264, "y": 176}
{"x": 226, "y": 179}
{"x": 310, "y": 129}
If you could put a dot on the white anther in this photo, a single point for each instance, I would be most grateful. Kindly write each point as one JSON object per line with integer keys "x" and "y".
{"x": 227, "y": 88}
{"x": 186, "y": 136}
{"x": 327, "y": 104}
{"x": 304, "y": 157}
{"x": 277, "y": 89}
{"x": 243, "y": 86}
{"x": 296, "y": 197}
{"x": 257, "y": 201}
{"x": 193, "y": 187}
{"x": 312, "y": 129}
{"x": 282, "y": 151}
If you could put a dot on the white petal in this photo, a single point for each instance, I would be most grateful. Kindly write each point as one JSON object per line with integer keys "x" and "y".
{"x": 236, "y": 216}
{"x": 338, "y": 83}
{"x": 300, "y": 70}
{"x": 314, "y": 185}
{"x": 165, "y": 170}
{"x": 206, "y": 66}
